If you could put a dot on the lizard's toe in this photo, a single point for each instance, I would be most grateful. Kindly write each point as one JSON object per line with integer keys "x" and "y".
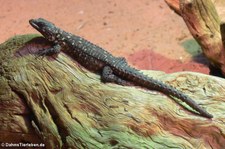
{"x": 41, "y": 53}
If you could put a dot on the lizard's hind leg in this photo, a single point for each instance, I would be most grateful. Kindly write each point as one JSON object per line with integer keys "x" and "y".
{"x": 108, "y": 76}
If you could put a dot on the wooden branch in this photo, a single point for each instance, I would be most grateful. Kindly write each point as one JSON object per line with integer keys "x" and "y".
{"x": 174, "y": 5}
{"x": 62, "y": 105}
{"x": 205, "y": 26}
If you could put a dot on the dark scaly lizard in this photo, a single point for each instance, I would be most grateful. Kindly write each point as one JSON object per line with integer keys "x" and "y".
{"x": 113, "y": 69}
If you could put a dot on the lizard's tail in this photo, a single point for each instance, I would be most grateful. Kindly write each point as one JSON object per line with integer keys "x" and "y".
{"x": 169, "y": 90}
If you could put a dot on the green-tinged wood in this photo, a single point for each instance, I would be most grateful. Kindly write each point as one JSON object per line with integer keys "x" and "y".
{"x": 59, "y": 103}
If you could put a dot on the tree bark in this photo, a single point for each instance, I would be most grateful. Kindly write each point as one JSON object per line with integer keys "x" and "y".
{"x": 56, "y": 102}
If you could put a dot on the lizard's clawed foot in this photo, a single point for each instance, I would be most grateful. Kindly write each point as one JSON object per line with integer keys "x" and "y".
{"x": 49, "y": 51}
{"x": 108, "y": 76}
{"x": 42, "y": 53}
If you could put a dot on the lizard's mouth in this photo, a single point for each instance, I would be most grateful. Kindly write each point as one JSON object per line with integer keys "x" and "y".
{"x": 34, "y": 24}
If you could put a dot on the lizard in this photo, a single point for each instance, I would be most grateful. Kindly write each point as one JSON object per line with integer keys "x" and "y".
{"x": 112, "y": 69}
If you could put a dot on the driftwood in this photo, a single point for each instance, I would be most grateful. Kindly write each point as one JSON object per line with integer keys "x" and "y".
{"x": 174, "y": 5}
{"x": 56, "y": 102}
{"x": 204, "y": 24}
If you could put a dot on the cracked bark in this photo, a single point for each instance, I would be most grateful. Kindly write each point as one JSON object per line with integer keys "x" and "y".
{"x": 204, "y": 24}
{"x": 56, "y": 102}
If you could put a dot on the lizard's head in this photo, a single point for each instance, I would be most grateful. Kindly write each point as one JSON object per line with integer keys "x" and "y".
{"x": 46, "y": 28}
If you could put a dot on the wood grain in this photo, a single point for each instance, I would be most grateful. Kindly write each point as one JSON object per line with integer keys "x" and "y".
{"x": 59, "y": 103}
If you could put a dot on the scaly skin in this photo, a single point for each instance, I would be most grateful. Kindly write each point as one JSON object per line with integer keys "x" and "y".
{"x": 113, "y": 69}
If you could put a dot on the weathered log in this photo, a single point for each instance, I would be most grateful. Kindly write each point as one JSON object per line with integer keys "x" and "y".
{"x": 204, "y": 24}
{"x": 56, "y": 102}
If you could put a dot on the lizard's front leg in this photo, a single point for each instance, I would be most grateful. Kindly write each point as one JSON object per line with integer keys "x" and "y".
{"x": 49, "y": 51}
{"x": 108, "y": 76}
